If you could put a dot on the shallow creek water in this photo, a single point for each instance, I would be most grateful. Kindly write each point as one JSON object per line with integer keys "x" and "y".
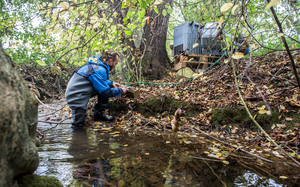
{"x": 108, "y": 156}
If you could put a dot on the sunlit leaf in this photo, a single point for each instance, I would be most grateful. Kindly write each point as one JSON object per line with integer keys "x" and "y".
{"x": 56, "y": 29}
{"x": 156, "y": 10}
{"x": 283, "y": 177}
{"x": 195, "y": 75}
{"x": 221, "y": 21}
{"x": 168, "y": 141}
{"x": 295, "y": 97}
{"x": 143, "y": 4}
{"x": 234, "y": 8}
{"x": 225, "y": 162}
{"x": 195, "y": 45}
{"x": 170, "y": 10}
{"x": 164, "y": 12}
{"x": 112, "y": 152}
{"x": 270, "y": 4}
{"x": 41, "y": 63}
{"x": 213, "y": 156}
{"x": 238, "y": 55}
{"x": 281, "y": 34}
{"x": 128, "y": 33}
{"x": 97, "y": 24}
{"x": 64, "y": 5}
{"x": 262, "y": 111}
{"x": 226, "y": 7}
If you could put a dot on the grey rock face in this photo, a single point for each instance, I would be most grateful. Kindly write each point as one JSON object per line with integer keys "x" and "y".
{"x": 18, "y": 121}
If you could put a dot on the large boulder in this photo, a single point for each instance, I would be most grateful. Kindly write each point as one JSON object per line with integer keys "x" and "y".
{"x": 18, "y": 121}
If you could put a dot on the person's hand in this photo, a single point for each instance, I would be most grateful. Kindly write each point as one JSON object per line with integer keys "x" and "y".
{"x": 124, "y": 89}
{"x": 116, "y": 85}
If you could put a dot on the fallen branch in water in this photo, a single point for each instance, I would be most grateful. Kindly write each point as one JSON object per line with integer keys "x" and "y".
{"x": 240, "y": 149}
{"x": 224, "y": 184}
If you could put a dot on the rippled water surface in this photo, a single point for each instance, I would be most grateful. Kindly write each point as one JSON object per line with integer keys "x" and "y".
{"x": 107, "y": 156}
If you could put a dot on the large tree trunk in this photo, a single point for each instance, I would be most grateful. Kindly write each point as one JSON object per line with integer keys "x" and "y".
{"x": 155, "y": 61}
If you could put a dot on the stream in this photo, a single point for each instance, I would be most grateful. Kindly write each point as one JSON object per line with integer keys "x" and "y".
{"x": 108, "y": 156}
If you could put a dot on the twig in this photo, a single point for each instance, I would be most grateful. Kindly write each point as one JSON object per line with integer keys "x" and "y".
{"x": 281, "y": 90}
{"x": 279, "y": 78}
{"x": 57, "y": 123}
{"x": 224, "y": 184}
{"x": 261, "y": 94}
{"x": 286, "y": 45}
{"x": 206, "y": 159}
{"x": 53, "y": 112}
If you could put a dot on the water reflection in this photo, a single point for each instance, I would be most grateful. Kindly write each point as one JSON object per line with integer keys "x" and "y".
{"x": 103, "y": 157}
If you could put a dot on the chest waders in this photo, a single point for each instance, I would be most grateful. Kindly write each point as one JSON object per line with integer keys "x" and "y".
{"x": 78, "y": 93}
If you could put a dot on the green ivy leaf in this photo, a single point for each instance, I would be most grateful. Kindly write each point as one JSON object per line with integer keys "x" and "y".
{"x": 164, "y": 12}
{"x": 123, "y": 5}
{"x": 170, "y": 10}
{"x": 128, "y": 33}
{"x": 143, "y": 4}
{"x": 129, "y": 14}
{"x": 156, "y": 11}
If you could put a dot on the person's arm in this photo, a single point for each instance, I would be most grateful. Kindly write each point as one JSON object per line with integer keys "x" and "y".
{"x": 113, "y": 92}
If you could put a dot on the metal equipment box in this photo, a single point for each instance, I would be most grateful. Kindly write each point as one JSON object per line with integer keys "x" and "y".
{"x": 189, "y": 33}
{"x": 185, "y": 36}
{"x": 209, "y": 40}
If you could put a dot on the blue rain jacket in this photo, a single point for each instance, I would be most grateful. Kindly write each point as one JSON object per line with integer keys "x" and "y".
{"x": 97, "y": 72}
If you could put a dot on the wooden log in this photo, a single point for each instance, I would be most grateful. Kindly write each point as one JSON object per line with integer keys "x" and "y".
{"x": 192, "y": 64}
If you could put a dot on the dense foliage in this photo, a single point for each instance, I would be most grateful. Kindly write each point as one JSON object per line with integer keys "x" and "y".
{"x": 43, "y": 32}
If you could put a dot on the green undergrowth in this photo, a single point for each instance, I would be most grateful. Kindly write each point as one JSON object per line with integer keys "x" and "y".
{"x": 238, "y": 115}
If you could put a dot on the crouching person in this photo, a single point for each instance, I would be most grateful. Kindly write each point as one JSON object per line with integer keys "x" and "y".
{"x": 91, "y": 80}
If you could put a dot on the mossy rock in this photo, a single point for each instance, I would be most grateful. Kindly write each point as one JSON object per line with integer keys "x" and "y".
{"x": 238, "y": 115}
{"x": 156, "y": 106}
{"x": 38, "y": 181}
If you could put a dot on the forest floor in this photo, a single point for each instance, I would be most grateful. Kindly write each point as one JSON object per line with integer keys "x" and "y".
{"x": 212, "y": 108}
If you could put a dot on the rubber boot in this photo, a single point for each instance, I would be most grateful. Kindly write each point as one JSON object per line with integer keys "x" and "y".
{"x": 80, "y": 115}
{"x": 99, "y": 113}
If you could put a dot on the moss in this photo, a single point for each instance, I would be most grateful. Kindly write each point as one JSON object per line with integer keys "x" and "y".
{"x": 238, "y": 115}
{"x": 117, "y": 107}
{"x": 156, "y": 106}
{"x": 37, "y": 181}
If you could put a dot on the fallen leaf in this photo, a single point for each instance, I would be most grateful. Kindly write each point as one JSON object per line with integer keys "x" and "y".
{"x": 238, "y": 55}
{"x": 283, "y": 177}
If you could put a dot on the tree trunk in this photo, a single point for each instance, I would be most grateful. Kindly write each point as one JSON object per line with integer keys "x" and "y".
{"x": 155, "y": 61}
